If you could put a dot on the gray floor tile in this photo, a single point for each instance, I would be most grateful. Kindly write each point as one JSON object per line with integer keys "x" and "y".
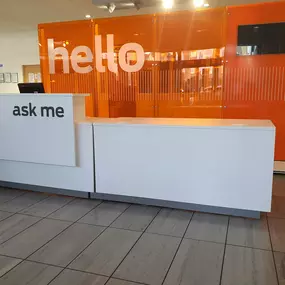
{"x": 278, "y": 185}
{"x": 14, "y": 225}
{"x": 208, "y": 227}
{"x": 280, "y": 266}
{"x": 30, "y": 273}
{"x": 104, "y": 214}
{"x": 9, "y": 194}
{"x": 277, "y": 233}
{"x": 248, "y": 232}
{"x": 196, "y": 263}
{"x": 149, "y": 260}
{"x": 47, "y": 206}
{"x": 113, "y": 281}
{"x": 5, "y": 215}
{"x": 170, "y": 222}
{"x": 136, "y": 218}
{"x": 7, "y": 263}
{"x": 106, "y": 252}
{"x": 278, "y": 206}
{"x": 248, "y": 266}
{"x": 71, "y": 277}
{"x": 22, "y": 202}
{"x": 28, "y": 241}
{"x": 66, "y": 246}
{"x": 75, "y": 210}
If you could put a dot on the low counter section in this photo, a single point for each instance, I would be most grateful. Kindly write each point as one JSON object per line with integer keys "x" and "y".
{"x": 220, "y": 164}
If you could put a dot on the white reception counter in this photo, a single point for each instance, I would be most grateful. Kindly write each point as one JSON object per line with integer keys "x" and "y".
{"x": 200, "y": 164}
{"x": 221, "y": 163}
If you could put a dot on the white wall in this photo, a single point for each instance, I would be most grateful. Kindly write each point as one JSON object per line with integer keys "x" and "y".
{"x": 16, "y": 50}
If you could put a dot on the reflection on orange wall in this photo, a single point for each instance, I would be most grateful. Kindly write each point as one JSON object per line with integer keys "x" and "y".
{"x": 191, "y": 68}
{"x": 68, "y": 35}
{"x": 183, "y": 68}
{"x": 254, "y": 85}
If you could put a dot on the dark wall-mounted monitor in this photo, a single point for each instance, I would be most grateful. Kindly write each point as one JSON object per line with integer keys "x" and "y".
{"x": 31, "y": 88}
{"x": 261, "y": 39}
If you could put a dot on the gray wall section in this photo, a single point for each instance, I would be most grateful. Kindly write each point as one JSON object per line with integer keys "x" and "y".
{"x": 136, "y": 200}
{"x": 73, "y": 193}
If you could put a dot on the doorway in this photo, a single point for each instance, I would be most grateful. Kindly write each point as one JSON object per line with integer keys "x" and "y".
{"x": 32, "y": 73}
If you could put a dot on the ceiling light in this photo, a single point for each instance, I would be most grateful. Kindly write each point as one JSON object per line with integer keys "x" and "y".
{"x": 87, "y": 16}
{"x": 206, "y": 5}
{"x": 111, "y": 7}
{"x": 198, "y": 3}
{"x": 128, "y": 4}
{"x": 137, "y": 4}
{"x": 167, "y": 4}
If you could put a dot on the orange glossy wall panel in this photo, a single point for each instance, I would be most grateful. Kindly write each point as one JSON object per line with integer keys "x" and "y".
{"x": 160, "y": 88}
{"x": 191, "y": 30}
{"x": 138, "y": 29}
{"x": 68, "y": 35}
{"x": 254, "y": 86}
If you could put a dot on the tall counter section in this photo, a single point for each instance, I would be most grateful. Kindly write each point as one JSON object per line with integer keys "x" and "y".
{"x": 44, "y": 141}
{"x": 220, "y": 163}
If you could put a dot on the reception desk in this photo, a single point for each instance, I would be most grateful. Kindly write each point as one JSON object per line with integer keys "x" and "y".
{"x": 215, "y": 163}
{"x": 220, "y": 166}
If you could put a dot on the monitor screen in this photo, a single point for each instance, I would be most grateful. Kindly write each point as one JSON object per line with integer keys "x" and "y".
{"x": 261, "y": 39}
{"x": 31, "y": 88}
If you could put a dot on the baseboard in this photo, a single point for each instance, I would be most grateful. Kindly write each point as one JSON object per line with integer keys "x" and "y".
{"x": 43, "y": 189}
{"x": 178, "y": 205}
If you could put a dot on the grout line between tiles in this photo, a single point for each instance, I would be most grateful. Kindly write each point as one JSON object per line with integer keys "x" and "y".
{"x": 111, "y": 275}
{"x": 274, "y": 263}
{"x": 105, "y": 228}
{"x": 178, "y": 248}
{"x": 63, "y": 268}
{"x": 112, "y": 227}
{"x": 19, "y": 212}
{"x": 13, "y": 214}
{"x": 249, "y": 247}
{"x": 224, "y": 254}
{"x": 76, "y": 221}
{"x": 5, "y": 255}
{"x": 71, "y": 224}
{"x": 26, "y": 259}
{"x": 40, "y": 219}
{"x": 24, "y": 192}
{"x": 121, "y": 279}
{"x": 275, "y": 217}
{"x": 22, "y": 260}
{"x": 51, "y": 196}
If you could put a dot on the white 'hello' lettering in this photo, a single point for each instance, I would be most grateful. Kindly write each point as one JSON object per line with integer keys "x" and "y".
{"x": 75, "y": 59}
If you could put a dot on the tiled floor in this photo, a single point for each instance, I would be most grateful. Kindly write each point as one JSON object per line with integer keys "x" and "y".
{"x": 58, "y": 240}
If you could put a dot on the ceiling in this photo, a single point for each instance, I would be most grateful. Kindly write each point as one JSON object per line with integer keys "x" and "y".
{"x": 23, "y": 15}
